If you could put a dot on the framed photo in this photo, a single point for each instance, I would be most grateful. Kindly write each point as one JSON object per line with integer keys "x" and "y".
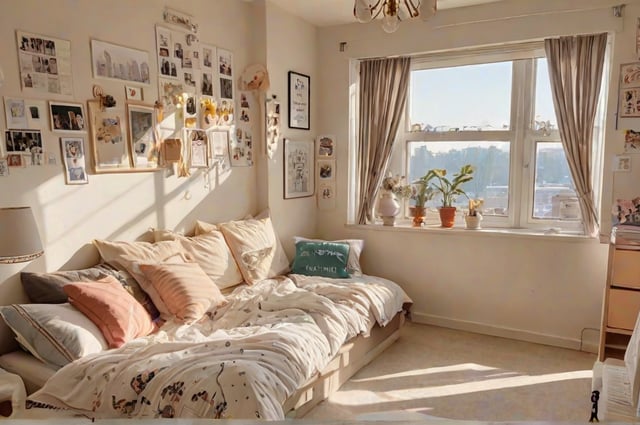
{"x": 326, "y": 147}
{"x": 133, "y": 93}
{"x": 299, "y": 107}
{"x": 622, "y": 163}
{"x": 65, "y": 117}
{"x": 326, "y": 169}
{"x": 119, "y": 63}
{"x": 110, "y": 152}
{"x": 142, "y": 141}
{"x": 16, "y": 160}
{"x": 23, "y": 141}
{"x": 298, "y": 169}
{"x": 199, "y": 148}
{"x": 73, "y": 159}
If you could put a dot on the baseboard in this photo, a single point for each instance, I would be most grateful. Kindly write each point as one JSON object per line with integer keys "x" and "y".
{"x": 504, "y": 332}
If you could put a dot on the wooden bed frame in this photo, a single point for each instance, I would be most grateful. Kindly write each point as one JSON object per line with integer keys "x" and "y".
{"x": 351, "y": 357}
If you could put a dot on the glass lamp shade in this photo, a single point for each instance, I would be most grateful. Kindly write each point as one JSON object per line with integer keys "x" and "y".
{"x": 363, "y": 11}
{"x": 390, "y": 23}
{"x": 19, "y": 237}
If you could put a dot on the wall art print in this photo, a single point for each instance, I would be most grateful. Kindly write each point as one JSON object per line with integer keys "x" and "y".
{"x": 45, "y": 64}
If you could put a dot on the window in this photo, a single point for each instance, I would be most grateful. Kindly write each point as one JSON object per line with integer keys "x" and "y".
{"x": 494, "y": 111}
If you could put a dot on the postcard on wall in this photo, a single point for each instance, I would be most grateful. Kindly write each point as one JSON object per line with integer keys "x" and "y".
{"x": 23, "y": 141}
{"x": 15, "y": 113}
{"x": 45, "y": 64}
{"x": 119, "y": 62}
{"x": 326, "y": 169}
{"x": 225, "y": 72}
{"x": 36, "y": 111}
{"x": 73, "y": 159}
{"x": 632, "y": 141}
{"x": 325, "y": 146}
{"x": 239, "y": 154}
{"x": 629, "y": 102}
{"x": 326, "y": 195}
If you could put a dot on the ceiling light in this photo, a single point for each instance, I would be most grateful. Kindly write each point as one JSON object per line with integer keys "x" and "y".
{"x": 393, "y": 11}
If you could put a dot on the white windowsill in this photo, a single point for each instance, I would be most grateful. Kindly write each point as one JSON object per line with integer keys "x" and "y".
{"x": 459, "y": 230}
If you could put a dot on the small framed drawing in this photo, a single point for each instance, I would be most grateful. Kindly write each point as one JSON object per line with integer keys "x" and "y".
{"x": 298, "y": 169}
{"x": 299, "y": 107}
{"x": 142, "y": 141}
{"x": 66, "y": 117}
{"x": 133, "y": 93}
{"x": 110, "y": 152}
{"x": 199, "y": 149}
{"x": 622, "y": 163}
{"x": 73, "y": 159}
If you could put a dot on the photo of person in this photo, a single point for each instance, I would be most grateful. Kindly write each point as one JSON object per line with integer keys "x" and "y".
{"x": 207, "y": 84}
{"x": 226, "y": 88}
{"x": 188, "y": 79}
{"x": 66, "y": 117}
{"x": 224, "y": 62}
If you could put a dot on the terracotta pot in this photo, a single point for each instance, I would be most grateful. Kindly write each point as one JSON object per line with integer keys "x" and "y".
{"x": 418, "y": 214}
{"x": 447, "y": 216}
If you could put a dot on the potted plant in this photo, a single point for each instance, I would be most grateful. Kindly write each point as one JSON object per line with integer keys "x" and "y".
{"x": 449, "y": 189}
{"x": 473, "y": 217}
{"x": 421, "y": 192}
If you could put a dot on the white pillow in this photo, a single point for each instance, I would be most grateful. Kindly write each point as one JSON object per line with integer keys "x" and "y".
{"x": 355, "y": 249}
{"x": 54, "y": 333}
{"x": 256, "y": 248}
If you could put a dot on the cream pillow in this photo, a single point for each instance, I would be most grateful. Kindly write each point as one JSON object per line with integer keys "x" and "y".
{"x": 186, "y": 291}
{"x": 204, "y": 227}
{"x": 256, "y": 248}
{"x": 211, "y": 252}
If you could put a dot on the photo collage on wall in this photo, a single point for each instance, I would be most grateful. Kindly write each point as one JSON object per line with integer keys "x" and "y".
{"x": 45, "y": 64}
{"x": 326, "y": 171}
{"x": 198, "y": 78}
{"x": 241, "y": 141}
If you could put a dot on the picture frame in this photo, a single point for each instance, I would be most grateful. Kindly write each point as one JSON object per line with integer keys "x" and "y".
{"x": 622, "y": 163}
{"x": 104, "y": 53}
{"x": 219, "y": 143}
{"x": 15, "y": 112}
{"x": 299, "y": 100}
{"x": 198, "y": 147}
{"x": 66, "y": 117}
{"x": 74, "y": 160}
{"x": 326, "y": 147}
{"x": 133, "y": 93}
{"x": 298, "y": 169}
{"x": 141, "y": 134}
{"x": 107, "y": 140}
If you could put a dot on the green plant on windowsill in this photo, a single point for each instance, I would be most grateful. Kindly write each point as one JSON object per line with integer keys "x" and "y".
{"x": 449, "y": 189}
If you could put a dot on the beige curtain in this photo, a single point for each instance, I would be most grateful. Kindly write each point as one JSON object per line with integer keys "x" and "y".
{"x": 575, "y": 69}
{"x": 383, "y": 94}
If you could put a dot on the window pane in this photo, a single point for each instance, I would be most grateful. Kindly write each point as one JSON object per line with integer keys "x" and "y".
{"x": 544, "y": 100}
{"x": 555, "y": 196}
{"x": 489, "y": 158}
{"x": 472, "y": 97}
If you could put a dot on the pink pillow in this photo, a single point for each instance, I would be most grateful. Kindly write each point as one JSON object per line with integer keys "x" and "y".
{"x": 114, "y": 311}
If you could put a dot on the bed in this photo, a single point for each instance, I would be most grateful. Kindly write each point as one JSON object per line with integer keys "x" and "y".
{"x": 267, "y": 340}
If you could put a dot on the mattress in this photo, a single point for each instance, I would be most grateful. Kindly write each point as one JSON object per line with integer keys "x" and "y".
{"x": 34, "y": 373}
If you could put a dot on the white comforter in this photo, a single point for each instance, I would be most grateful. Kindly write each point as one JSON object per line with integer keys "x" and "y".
{"x": 242, "y": 361}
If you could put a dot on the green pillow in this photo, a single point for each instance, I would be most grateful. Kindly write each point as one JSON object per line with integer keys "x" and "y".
{"x": 327, "y": 259}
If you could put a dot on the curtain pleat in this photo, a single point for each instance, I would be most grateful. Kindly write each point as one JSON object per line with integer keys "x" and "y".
{"x": 384, "y": 86}
{"x": 575, "y": 69}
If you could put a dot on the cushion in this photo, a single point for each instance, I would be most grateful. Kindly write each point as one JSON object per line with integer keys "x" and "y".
{"x": 256, "y": 248}
{"x": 355, "y": 249}
{"x": 328, "y": 259}
{"x": 185, "y": 289}
{"x": 121, "y": 254}
{"x": 204, "y": 227}
{"x": 46, "y": 288}
{"x": 54, "y": 333}
{"x": 147, "y": 286}
{"x": 211, "y": 252}
{"x": 106, "y": 303}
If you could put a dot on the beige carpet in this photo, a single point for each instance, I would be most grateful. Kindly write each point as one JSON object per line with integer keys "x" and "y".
{"x": 460, "y": 375}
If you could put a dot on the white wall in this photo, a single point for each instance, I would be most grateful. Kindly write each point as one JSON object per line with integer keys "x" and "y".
{"x": 125, "y": 206}
{"x": 542, "y": 289}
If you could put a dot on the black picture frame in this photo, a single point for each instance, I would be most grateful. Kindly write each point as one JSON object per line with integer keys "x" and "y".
{"x": 299, "y": 100}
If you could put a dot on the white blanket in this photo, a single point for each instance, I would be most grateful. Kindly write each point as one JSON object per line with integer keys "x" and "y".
{"x": 242, "y": 361}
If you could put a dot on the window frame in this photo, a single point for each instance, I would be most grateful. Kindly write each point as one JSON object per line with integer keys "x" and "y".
{"x": 521, "y": 135}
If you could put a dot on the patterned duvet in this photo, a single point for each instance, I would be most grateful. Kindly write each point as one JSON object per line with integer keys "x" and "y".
{"x": 242, "y": 361}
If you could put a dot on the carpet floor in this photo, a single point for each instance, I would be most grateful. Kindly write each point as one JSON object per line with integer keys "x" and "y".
{"x": 460, "y": 375}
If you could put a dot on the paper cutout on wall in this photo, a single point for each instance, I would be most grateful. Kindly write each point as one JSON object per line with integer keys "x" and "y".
{"x": 254, "y": 77}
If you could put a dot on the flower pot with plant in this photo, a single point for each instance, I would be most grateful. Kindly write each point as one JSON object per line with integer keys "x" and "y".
{"x": 449, "y": 189}
{"x": 421, "y": 192}
{"x": 473, "y": 217}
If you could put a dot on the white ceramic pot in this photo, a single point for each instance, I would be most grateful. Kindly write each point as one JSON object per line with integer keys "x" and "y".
{"x": 388, "y": 208}
{"x": 472, "y": 222}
